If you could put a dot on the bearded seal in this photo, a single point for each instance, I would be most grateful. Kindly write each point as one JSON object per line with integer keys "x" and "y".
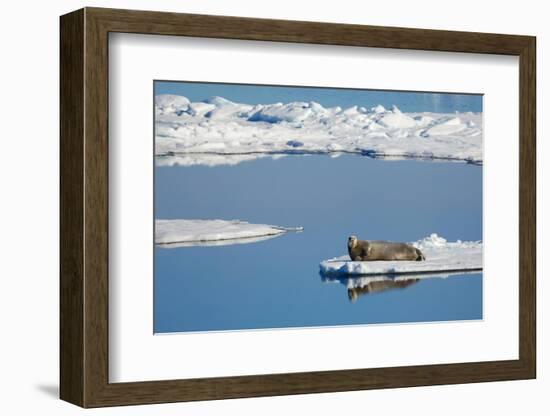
{"x": 363, "y": 250}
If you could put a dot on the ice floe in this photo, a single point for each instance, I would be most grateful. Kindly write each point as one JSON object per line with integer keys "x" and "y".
{"x": 441, "y": 256}
{"x": 218, "y": 131}
{"x": 186, "y": 233}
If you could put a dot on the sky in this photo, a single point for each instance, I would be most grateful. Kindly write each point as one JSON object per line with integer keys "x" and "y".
{"x": 328, "y": 97}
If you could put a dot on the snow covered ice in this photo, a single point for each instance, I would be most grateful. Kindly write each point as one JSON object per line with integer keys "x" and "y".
{"x": 186, "y": 233}
{"x": 441, "y": 256}
{"x": 218, "y": 131}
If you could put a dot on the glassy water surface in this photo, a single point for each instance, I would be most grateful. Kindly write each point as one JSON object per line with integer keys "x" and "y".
{"x": 276, "y": 283}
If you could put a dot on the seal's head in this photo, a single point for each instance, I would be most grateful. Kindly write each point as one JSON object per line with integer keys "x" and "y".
{"x": 352, "y": 241}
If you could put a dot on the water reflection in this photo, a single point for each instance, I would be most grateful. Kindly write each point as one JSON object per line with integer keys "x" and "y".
{"x": 221, "y": 242}
{"x": 365, "y": 285}
{"x": 378, "y": 286}
{"x": 211, "y": 159}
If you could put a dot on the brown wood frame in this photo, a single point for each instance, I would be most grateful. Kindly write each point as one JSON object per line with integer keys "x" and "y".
{"x": 84, "y": 207}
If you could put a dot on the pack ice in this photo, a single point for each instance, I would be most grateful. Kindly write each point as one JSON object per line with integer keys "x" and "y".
{"x": 218, "y": 131}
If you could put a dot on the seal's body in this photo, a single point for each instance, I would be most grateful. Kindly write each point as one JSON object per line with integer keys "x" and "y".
{"x": 364, "y": 250}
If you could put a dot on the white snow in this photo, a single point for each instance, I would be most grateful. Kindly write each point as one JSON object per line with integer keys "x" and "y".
{"x": 441, "y": 256}
{"x": 179, "y": 233}
{"x": 397, "y": 120}
{"x": 192, "y": 133}
{"x": 171, "y": 104}
{"x": 445, "y": 126}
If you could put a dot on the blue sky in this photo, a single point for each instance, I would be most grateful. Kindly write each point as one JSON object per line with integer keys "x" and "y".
{"x": 328, "y": 97}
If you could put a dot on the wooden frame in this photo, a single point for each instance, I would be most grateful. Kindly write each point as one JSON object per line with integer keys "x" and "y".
{"x": 84, "y": 207}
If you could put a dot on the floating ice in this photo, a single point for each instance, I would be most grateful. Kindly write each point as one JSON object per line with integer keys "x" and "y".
{"x": 441, "y": 256}
{"x": 185, "y": 233}
{"x": 191, "y": 133}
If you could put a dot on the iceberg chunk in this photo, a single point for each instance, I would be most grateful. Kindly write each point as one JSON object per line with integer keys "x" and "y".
{"x": 397, "y": 120}
{"x": 446, "y": 126}
{"x": 168, "y": 103}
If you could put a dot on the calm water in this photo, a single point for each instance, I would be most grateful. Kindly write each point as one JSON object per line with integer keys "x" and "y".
{"x": 276, "y": 283}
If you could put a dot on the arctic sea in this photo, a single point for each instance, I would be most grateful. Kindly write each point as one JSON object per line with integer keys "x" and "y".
{"x": 276, "y": 283}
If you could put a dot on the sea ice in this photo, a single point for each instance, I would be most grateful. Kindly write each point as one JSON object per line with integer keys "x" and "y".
{"x": 189, "y": 133}
{"x": 441, "y": 256}
{"x": 185, "y": 233}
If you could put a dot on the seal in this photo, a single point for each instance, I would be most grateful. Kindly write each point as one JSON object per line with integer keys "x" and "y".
{"x": 365, "y": 250}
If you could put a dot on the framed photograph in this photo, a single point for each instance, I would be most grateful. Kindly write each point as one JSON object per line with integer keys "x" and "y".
{"x": 255, "y": 207}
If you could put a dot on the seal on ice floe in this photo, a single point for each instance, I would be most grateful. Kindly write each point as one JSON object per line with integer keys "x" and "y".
{"x": 364, "y": 250}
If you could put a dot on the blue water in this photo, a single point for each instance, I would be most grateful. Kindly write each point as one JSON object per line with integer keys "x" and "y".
{"x": 276, "y": 283}
{"x": 442, "y": 102}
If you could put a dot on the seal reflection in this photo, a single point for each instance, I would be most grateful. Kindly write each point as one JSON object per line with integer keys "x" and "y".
{"x": 358, "y": 286}
{"x": 378, "y": 286}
